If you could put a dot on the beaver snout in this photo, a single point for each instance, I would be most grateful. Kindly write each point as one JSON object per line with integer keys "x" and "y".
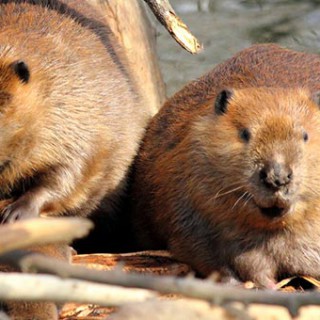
{"x": 274, "y": 175}
{"x": 276, "y": 179}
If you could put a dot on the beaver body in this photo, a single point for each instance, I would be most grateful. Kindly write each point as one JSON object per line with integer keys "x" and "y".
{"x": 70, "y": 119}
{"x": 227, "y": 174}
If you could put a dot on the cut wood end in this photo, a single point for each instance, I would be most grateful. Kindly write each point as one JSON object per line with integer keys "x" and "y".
{"x": 185, "y": 38}
{"x": 181, "y": 33}
{"x": 70, "y": 227}
{"x": 79, "y": 227}
{"x": 175, "y": 26}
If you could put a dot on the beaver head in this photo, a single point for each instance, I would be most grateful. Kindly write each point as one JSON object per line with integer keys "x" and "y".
{"x": 261, "y": 148}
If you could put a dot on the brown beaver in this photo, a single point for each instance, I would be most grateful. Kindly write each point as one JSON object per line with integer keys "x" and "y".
{"x": 227, "y": 176}
{"x": 70, "y": 117}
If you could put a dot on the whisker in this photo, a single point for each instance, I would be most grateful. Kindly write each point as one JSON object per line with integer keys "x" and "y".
{"x": 224, "y": 188}
{"x": 249, "y": 197}
{"x": 218, "y": 195}
{"x": 239, "y": 199}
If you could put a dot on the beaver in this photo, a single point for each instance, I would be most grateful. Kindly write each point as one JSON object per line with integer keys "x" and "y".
{"x": 70, "y": 115}
{"x": 70, "y": 119}
{"x": 227, "y": 174}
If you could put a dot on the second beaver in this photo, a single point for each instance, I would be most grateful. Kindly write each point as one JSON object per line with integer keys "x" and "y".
{"x": 227, "y": 176}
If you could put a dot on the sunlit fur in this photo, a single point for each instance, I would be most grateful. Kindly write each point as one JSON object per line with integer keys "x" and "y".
{"x": 196, "y": 185}
{"x": 74, "y": 128}
{"x": 69, "y": 133}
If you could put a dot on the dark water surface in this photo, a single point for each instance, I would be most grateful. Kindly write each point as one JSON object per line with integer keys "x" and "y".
{"x": 227, "y": 26}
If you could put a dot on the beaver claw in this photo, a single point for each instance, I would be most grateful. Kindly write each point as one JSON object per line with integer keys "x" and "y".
{"x": 17, "y": 211}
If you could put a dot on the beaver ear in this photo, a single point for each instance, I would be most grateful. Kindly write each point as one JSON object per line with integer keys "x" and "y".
{"x": 221, "y": 103}
{"x": 21, "y": 70}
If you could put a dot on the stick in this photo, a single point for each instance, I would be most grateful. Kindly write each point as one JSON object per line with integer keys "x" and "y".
{"x": 189, "y": 287}
{"x": 175, "y": 26}
{"x": 26, "y": 287}
{"x": 40, "y": 231}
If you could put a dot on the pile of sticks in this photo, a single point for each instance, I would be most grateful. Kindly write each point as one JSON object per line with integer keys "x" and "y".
{"x": 48, "y": 279}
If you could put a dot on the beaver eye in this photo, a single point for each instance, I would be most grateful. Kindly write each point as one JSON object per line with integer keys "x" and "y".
{"x": 305, "y": 137}
{"x": 245, "y": 135}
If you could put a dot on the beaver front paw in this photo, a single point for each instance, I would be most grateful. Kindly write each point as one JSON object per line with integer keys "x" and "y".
{"x": 18, "y": 210}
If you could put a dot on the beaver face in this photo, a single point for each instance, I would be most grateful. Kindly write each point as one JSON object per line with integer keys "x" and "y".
{"x": 274, "y": 154}
{"x": 263, "y": 155}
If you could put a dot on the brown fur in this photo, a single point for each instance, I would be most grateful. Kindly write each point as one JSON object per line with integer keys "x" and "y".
{"x": 67, "y": 136}
{"x": 196, "y": 183}
{"x": 68, "y": 133}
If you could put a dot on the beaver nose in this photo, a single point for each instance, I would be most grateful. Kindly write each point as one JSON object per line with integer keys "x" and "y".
{"x": 275, "y": 175}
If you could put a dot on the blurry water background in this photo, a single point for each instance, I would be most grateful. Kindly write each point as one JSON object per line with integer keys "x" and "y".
{"x": 227, "y": 26}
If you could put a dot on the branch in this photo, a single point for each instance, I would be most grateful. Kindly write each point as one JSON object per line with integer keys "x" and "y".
{"x": 3, "y": 316}
{"x": 26, "y": 233}
{"x": 175, "y": 26}
{"x": 50, "y": 288}
{"x": 189, "y": 287}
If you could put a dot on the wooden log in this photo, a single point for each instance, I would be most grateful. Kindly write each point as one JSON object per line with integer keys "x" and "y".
{"x": 131, "y": 27}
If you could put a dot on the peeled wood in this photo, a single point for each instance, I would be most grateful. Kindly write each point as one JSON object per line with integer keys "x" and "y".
{"x": 55, "y": 289}
{"x": 31, "y": 232}
{"x": 168, "y": 310}
{"x": 3, "y": 316}
{"x": 175, "y": 26}
{"x": 185, "y": 309}
{"x": 189, "y": 287}
{"x": 182, "y": 309}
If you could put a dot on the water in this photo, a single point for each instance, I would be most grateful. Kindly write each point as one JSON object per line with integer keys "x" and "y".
{"x": 227, "y": 26}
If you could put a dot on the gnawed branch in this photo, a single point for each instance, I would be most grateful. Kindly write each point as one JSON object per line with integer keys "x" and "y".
{"x": 189, "y": 287}
{"x": 175, "y": 26}
{"x": 51, "y": 288}
{"x": 40, "y": 231}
